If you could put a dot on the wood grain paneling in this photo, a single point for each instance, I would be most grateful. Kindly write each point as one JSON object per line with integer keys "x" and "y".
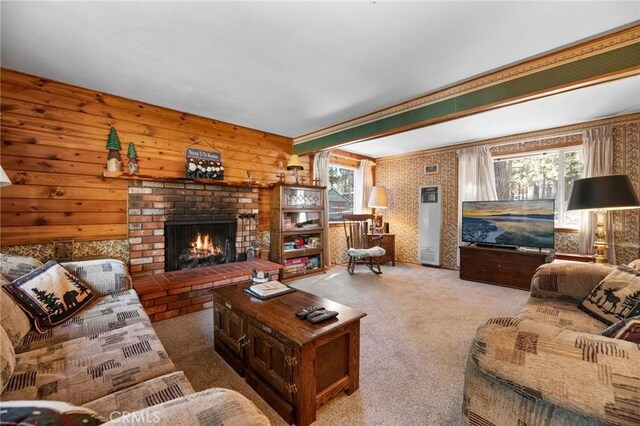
{"x": 53, "y": 149}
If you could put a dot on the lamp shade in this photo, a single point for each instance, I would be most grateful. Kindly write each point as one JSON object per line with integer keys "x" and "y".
{"x": 4, "y": 179}
{"x": 614, "y": 192}
{"x": 378, "y": 198}
{"x": 294, "y": 163}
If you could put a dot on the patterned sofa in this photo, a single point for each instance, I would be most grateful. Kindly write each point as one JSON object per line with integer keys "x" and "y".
{"x": 106, "y": 358}
{"x": 550, "y": 364}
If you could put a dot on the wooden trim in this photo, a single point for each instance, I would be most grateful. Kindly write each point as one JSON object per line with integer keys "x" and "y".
{"x": 581, "y": 50}
{"x": 567, "y": 230}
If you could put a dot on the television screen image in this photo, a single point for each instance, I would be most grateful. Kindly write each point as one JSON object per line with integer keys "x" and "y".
{"x": 526, "y": 223}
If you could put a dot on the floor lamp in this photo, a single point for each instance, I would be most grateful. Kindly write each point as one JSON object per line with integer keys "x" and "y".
{"x": 601, "y": 194}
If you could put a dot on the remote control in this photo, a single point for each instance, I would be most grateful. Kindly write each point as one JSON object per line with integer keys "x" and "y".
{"x": 322, "y": 317}
{"x": 316, "y": 313}
{"x": 306, "y": 311}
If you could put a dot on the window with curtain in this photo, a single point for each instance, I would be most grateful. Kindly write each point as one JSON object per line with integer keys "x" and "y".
{"x": 541, "y": 174}
{"x": 341, "y": 192}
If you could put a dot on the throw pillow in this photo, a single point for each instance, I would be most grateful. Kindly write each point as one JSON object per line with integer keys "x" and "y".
{"x": 50, "y": 295}
{"x": 13, "y": 266}
{"x": 14, "y": 321}
{"x": 626, "y": 329}
{"x": 7, "y": 361}
{"x": 47, "y": 413}
{"x": 616, "y": 297}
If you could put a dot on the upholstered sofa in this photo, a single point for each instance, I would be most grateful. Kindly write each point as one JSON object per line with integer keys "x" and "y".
{"x": 550, "y": 364}
{"x": 106, "y": 358}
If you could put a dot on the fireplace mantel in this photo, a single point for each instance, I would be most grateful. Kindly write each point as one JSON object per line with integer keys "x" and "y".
{"x": 129, "y": 176}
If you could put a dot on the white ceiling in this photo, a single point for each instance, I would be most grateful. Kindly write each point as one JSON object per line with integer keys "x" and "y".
{"x": 287, "y": 67}
{"x": 604, "y": 100}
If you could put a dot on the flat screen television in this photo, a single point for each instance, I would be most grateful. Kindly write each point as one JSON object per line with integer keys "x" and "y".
{"x": 515, "y": 223}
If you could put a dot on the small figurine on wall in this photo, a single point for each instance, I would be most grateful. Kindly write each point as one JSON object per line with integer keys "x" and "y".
{"x": 133, "y": 158}
{"x": 114, "y": 162}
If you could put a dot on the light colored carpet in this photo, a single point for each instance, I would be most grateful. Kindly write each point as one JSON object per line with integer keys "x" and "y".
{"x": 413, "y": 347}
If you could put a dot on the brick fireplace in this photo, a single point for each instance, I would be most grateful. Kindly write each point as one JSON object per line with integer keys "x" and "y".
{"x": 153, "y": 204}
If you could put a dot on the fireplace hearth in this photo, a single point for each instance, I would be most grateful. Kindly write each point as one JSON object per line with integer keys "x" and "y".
{"x": 196, "y": 244}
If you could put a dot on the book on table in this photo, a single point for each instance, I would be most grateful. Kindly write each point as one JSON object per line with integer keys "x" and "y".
{"x": 268, "y": 290}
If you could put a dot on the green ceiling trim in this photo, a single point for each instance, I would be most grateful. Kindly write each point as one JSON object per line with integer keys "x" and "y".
{"x": 588, "y": 68}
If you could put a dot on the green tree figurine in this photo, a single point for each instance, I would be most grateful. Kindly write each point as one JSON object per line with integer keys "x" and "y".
{"x": 133, "y": 158}
{"x": 114, "y": 162}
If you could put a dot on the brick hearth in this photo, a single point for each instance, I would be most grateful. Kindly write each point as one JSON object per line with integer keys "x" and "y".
{"x": 153, "y": 203}
{"x": 170, "y": 294}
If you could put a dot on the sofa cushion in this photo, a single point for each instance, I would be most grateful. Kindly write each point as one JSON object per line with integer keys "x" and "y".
{"x": 12, "y": 266}
{"x": 104, "y": 276}
{"x": 47, "y": 413}
{"x": 110, "y": 312}
{"x": 635, "y": 265}
{"x": 13, "y": 319}
{"x": 626, "y": 329}
{"x": 50, "y": 295}
{"x": 87, "y": 368}
{"x": 143, "y": 395}
{"x": 214, "y": 406}
{"x": 7, "y": 359}
{"x": 617, "y": 296}
{"x": 559, "y": 314}
{"x": 567, "y": 281}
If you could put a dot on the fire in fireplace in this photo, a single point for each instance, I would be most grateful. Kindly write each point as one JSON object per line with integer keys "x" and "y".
{"x": 193, "y": 245}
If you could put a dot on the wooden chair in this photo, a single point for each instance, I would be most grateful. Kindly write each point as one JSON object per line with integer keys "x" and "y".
{"x": 362, "y": 242}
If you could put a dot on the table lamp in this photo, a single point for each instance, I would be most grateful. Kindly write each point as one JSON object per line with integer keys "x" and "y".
{"x": 600, "y": 194}
{"x": 4, "y": 179}
{"x": 378, "y": 200}
{"x": 295, "y": 165}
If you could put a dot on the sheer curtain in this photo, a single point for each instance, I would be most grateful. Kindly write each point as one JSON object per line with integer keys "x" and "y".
{"x": 597, "y": 151}
{"x": 321, "y": 172}
{"x": 362, "y": 184}
{"x": 476, "y": 180}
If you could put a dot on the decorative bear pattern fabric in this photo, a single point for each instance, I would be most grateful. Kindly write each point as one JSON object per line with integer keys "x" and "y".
{"x": 81, "y": 370}
{"x": 146, "y": 394}
{"x": 13, "y": 319}
{"x": 50, "y": 295}
{"x": 117, "y": 310}
{"x": 616, "y": 297}
{"x": 13, "y": 267}
{"x": 214, "y": 406}
{"x": 47, "y": 413}
{"x": 582, "y": 373}
{"x": 104, "y": 276}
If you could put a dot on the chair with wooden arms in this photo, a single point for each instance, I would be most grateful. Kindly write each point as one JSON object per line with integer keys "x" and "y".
{"x": 363, "y": 247}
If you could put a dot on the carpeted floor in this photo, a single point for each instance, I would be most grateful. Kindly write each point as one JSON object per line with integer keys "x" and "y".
{"x": 413, "y": 346}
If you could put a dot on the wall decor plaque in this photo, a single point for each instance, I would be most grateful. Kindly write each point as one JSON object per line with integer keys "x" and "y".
{"x": 204, "y": 164}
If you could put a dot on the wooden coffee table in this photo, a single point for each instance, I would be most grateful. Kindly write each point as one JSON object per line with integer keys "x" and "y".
{"x": 294, "y": 365}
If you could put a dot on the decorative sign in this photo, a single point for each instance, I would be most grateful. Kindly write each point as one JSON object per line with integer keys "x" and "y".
{"x": 204, "y": 164}
{"x": 431, "y": 169}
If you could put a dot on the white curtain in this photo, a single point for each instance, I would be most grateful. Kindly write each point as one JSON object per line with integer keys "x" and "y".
{"x": 476, "y": 180}
{"x": 321, "y": 173}
{"x": 362, "y": 184}
{"x": 597, "y": 151}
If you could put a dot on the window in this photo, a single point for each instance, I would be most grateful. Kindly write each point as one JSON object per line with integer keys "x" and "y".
{"x": 340, "y": 192}
{"x": 548, "y": 174}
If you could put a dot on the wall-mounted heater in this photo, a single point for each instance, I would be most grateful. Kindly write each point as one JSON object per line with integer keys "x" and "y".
{"x": 429, "y": 225}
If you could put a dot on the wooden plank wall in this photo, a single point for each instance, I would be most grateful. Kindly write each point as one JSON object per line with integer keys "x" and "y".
{"x": 53, "y": 149}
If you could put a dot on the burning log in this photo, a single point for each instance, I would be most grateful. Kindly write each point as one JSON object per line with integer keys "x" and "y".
{"x": 203, "y": 253}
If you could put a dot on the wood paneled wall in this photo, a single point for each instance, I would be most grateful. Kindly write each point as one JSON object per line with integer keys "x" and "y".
{"x": 53, "y": 149}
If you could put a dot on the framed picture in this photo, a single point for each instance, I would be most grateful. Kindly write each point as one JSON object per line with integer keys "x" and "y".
{"x": 430, "y": 169}
{"x": 204, "y": 164}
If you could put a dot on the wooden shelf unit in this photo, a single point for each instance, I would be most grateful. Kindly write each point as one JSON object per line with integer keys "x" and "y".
{"x": 506, "y": 267}
{"x": 298, "y": 248}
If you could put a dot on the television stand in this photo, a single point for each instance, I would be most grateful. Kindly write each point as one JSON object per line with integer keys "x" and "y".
{"x": 500, "y": 266}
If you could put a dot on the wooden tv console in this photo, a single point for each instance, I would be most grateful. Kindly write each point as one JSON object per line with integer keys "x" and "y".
{"x": 507, "y": 267}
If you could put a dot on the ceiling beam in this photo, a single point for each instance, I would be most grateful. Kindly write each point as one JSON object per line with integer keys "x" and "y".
{"x": 595, "y": 61}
